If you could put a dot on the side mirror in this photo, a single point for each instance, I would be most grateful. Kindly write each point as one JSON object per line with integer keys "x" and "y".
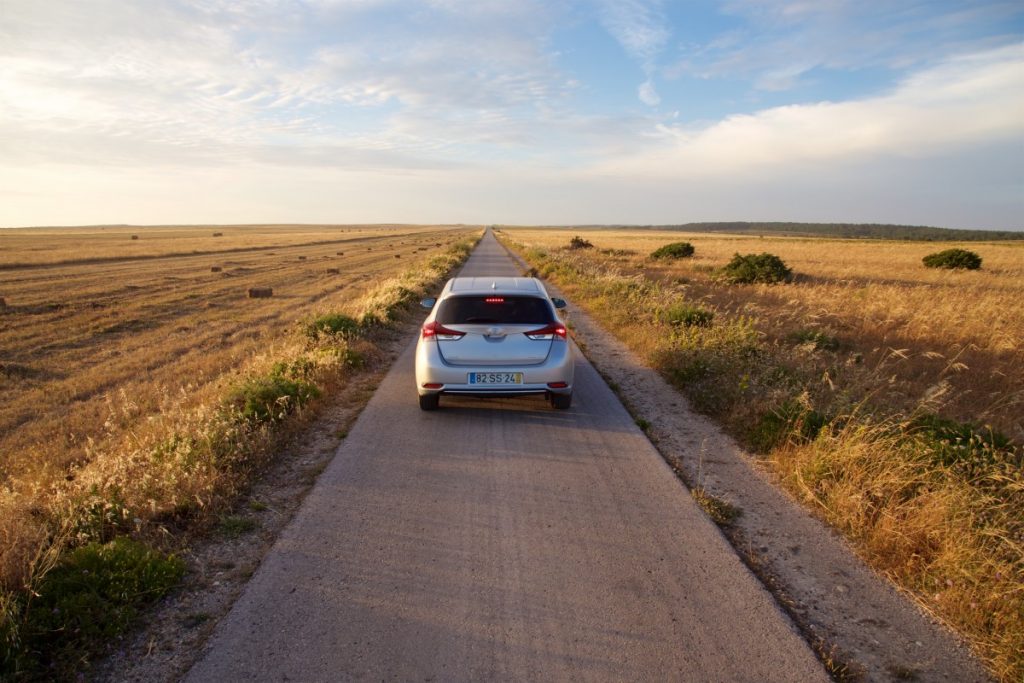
{"x": 428, "y": 303}
{"x": 559, "y": 303}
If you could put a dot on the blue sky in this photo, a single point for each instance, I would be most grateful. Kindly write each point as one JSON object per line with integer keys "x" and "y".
{"x": 568, "y": 111}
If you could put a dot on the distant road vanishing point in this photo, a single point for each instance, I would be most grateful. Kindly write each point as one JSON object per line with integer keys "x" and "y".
{"x": 502, "y": 540}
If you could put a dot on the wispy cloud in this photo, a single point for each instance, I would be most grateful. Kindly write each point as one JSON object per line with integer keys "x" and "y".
{"x": 967, "y": 100}
{"x": 328, "y": 109}
{"x": 173, "y": 82}
{"x": 779, "y": 43}
{"x": 641, "y": 28}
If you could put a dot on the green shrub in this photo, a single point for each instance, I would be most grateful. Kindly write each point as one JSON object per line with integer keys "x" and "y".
{"x": 949, "y": 442}
{"x": 712, "y": 364}
{"x": 267, "y": 399}
{"x": 674, "y": 250}
{"x": 818, "y": 339}
{"x": 332, "y": 323}
{"x": 789, "y": 421}
{"x": 751, "y": 268}
{"x": 350, "y": 358}
{"x": 89, "y": 598}
{"x": 578, "y": 242}
{"x": 953, "y": 259}
{"x": 301, "y": 368}
{"x": 687, "y": 315}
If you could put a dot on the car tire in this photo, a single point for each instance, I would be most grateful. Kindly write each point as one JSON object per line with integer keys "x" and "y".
{"x": 561, "y": 401}
{"x": 430, "y": 401}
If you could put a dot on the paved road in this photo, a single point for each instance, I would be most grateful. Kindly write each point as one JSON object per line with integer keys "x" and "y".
{"x": 502, "y": 540}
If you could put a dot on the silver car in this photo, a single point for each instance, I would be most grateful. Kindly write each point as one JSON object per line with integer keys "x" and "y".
{"x": 493, "y": 336}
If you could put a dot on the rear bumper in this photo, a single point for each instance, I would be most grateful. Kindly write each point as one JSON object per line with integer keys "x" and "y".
{"x": 453, "y": 379}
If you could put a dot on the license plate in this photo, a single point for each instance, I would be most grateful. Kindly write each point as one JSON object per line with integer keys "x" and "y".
{"x": 495, "y": 378}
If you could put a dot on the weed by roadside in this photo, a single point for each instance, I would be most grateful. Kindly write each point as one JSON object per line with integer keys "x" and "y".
{"x": 175, "y": 472}
{"x": 720, "y": 511}
{"x": 935, "y": 503}
{"x": 91, "y": 595}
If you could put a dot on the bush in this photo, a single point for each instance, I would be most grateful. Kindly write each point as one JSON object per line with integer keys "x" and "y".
{"x": 712, "y": 364}
{"x": 267, "y": 399}
{"x": 790, "y": 421}
{"x": 674, "y": 250}
{"x": 687, "y": 315}
{"x": 90, "y": 597}
{"x": 953, "y": 259}
{"x": 751, "y": 268}
{"x": 578, "y": 242}
{"x": 956, "y": 443}
{"x": 332, "y": 323}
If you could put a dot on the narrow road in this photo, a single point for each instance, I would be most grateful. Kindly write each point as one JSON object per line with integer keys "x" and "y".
{"x": 502, "y": 540}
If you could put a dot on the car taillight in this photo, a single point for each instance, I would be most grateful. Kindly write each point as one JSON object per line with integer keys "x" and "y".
{"x": 442, "y": 333}
{"x": 552, "y": 331}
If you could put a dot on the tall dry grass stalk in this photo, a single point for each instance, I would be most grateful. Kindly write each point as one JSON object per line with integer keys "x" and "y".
{"x": 157, "y": 472}
{"x": 877, "y": 389}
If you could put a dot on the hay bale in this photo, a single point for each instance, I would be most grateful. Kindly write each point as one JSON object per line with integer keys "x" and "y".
{"x": 3, "y": 303}
{"x": 216, "y": 269}
{"x": 218, "y": 234}
{"x": 341, "y": 253}
{"x": 333, "y": 271}
{"x": 260, "y": 292}
{"x": 398, "y": 256}
{"x": 302, "y": 258}
{"x": 135, "y": 237}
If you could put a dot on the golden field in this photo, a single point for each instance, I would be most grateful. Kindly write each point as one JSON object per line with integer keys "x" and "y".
{"x": 107, "y": 332}
{"x": 143, "y": 387}
{"x": 887, "y": 397}
{"x": 923, "y": 326}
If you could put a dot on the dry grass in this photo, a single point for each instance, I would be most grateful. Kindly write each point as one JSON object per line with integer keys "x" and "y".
{"x": 961, "y": 333}
{"x": 39, "y": 246}
{"x": 123, "y": 378}
{"x": 87, "y": 348}
{"x": 843, "y": 379}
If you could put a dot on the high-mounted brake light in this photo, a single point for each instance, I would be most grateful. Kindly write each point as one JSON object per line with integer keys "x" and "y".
{"x": 435, "y": 329}
{"x": 495, "y": 300}
{"x": 552, "y": 331}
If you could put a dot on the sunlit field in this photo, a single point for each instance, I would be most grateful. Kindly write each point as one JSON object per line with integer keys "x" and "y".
{"x": 887, "y": 396}
{"x": 142, "y": 384}
{"x": 116, "y": 333}
{"x": 959, "y": 333}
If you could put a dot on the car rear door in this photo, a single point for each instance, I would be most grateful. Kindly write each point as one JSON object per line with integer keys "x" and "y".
{"x": 494, "y": 330}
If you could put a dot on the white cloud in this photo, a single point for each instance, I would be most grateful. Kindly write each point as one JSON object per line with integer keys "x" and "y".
{"x": 638, "y": 25}
{"x": 99, "y": 81}
{"x": 969, "y": 100}
{"x": 641, "y": 28}
{"x": 328, "y": 110}
{"x": 648, "y": 94}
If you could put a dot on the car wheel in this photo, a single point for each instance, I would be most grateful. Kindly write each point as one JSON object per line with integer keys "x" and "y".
{"x": 561, "y": 401}
{"x": 430, "y": 401}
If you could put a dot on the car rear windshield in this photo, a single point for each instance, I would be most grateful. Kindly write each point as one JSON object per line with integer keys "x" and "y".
{"x": 504, "y": 310}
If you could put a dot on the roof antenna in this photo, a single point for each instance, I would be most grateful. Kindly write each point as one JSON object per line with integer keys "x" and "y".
{"x": 494, "y": 285}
